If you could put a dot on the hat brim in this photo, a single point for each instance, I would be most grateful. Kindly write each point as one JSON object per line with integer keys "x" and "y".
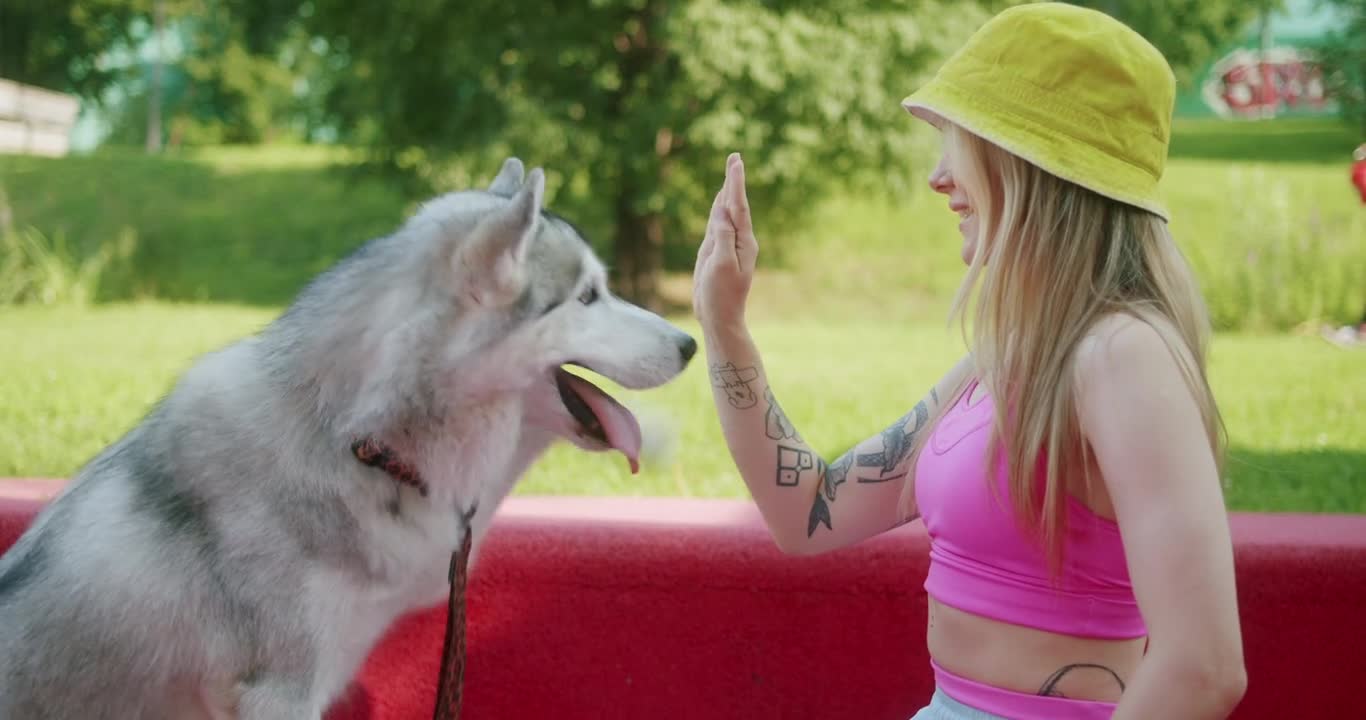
{"x": 924, "y": 113}
{"x": 936, "y": 104}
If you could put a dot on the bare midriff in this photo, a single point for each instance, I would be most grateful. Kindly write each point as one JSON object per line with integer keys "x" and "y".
{"x": 1026, "y": 660}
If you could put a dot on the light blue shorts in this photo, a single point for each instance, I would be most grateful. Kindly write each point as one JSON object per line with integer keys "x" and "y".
{"x": 943, "y": 707}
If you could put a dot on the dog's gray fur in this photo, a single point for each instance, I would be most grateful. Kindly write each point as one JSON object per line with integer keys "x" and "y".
{"x": 230, "y": 558}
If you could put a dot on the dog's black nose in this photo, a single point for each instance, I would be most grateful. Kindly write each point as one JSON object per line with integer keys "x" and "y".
{"x": 688, "y": 347}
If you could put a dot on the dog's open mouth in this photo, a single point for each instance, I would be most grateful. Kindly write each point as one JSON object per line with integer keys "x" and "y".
{"x": 600, "y": 416}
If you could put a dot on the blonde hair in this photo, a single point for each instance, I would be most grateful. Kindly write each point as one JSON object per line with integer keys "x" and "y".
{"x": 1052, "y": 259}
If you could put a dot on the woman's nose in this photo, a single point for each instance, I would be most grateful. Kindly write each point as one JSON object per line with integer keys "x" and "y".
{"x": 940, "y": 179}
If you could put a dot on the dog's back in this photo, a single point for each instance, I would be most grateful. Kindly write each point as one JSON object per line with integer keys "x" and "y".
{"x": 89, "y": 599}
{"x": 138, "y": 591}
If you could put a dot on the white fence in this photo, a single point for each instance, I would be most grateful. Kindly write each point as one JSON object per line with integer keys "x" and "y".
{"x": 34, "y": 121}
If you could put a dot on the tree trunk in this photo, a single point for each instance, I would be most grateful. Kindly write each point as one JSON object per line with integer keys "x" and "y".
{"x": 154, "y": 92}
{"x": 638, "y": 246}
{"x": 638, "y": 252}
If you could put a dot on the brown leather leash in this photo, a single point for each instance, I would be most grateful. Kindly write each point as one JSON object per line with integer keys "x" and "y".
{"x": 450, "y": 680}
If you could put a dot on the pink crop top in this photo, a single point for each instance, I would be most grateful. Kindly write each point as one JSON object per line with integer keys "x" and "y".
{"x": 983, "y": 562}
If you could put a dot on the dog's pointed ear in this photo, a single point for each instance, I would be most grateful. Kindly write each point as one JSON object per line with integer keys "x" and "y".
{"x": 509, "y": 178}
{"x": 490, "y": 265}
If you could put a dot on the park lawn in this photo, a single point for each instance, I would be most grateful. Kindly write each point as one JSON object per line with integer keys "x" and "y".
{"x": 73, "y": 380}
{"x": 852, "y": 325}
{"x": 1264, "y": 211}
{"x": 236, "y": 225}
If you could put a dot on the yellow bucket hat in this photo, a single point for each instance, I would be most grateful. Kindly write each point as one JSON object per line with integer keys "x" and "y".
{"x": 1071, "y": 90}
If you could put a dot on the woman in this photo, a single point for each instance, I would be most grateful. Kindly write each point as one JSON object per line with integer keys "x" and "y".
{"x": 1086, "y": 570}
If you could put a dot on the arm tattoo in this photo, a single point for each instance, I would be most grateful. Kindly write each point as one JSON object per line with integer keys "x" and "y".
{"x": 791, "y": 462}
{"x": 1050, "y": 689}
{"x": 835, "y": 474}
{"x": 882, "y": 478}
{"x": 735, "y": 381}
{"x": 831, "y": 477}
{"x": 776, "y": 424}
{"x": 897, "y": 442}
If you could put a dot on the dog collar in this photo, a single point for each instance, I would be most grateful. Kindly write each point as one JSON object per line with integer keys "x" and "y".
{"x": 450, "y": 680}
{"x": 376, "y": 454}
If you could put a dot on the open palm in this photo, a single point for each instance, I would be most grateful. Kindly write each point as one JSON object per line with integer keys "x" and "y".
{"x": 725, "y": 260}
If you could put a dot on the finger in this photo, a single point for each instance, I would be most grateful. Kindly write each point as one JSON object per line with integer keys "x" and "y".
{"x": 746, "y": 245}
{"x": 720, "y": 235}
{"x": 725, "y": 187}
{"x": 718, "y": 209}
{"x": 709, "y": 236}
{"x": 738, "y": 199}
{"x": 728, "y": 187}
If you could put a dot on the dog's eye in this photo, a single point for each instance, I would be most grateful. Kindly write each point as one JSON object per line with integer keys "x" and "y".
{"x": 589, "y": 295}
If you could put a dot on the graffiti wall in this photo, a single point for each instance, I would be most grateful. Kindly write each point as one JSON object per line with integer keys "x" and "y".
{"x": 1239, "y": 83}
{"x": 1244, "y": 84}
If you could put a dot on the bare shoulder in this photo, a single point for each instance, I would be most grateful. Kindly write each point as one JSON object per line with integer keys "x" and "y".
{"x": 1130, "y": 362}
{"x": 1122, "y": 348}
{"x": 954, "y": 378}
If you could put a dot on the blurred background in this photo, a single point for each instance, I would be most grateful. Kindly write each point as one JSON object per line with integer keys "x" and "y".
{"x": 173, "y": 171}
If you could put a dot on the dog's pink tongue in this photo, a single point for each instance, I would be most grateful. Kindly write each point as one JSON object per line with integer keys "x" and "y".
{"x": 623, "y": 432}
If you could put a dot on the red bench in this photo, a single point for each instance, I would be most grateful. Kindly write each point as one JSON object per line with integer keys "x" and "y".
{"x": 670, "y": 608}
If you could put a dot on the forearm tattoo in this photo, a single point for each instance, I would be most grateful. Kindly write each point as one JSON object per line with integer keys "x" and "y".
{"x": 792, "y": 461}
{"x": 735, "y": 381}
{"x": 776, "y": 424}
{"x": 897, "y": 443}
{"x": 1050, "y": 686}
{"x": 832, "y": 476}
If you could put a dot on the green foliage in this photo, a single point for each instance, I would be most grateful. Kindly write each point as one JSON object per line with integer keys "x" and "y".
{"x": 245, "y": 76}
{"x": 237, "y": 224}
{"x": 56, "y": 44}
{"x": 1273, "y": 246}
{"x": 1275, "y": 241}
{"x": 34, "y": 269}
{"x": 633, "y": 105}
{"x": 1343, "y": 56}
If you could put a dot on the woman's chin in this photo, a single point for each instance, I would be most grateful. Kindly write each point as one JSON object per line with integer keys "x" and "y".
{"x": 968, "y": 229}
{"x": 969, "y": 249}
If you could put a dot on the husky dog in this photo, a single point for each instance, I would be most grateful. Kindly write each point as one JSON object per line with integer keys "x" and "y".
{"x": 235, "y": 556}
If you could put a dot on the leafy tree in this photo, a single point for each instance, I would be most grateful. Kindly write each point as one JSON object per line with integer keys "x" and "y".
{"x": 235, "y": 83}
{"x": 632, "y": 105}
{"x": 55, "y": 44}
{"x": 240, "y": 87}
{"x": 1344, "y": 59}
{"x": 241, "y": 74}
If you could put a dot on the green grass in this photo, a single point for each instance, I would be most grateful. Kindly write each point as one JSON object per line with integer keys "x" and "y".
{"x": 237, "y": 225}
{"x": 1292, "y": 140}
{"x": 1263, "y": 210}
{"x": 1273, "y": 245}
{"x": 1295, "y": 406}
